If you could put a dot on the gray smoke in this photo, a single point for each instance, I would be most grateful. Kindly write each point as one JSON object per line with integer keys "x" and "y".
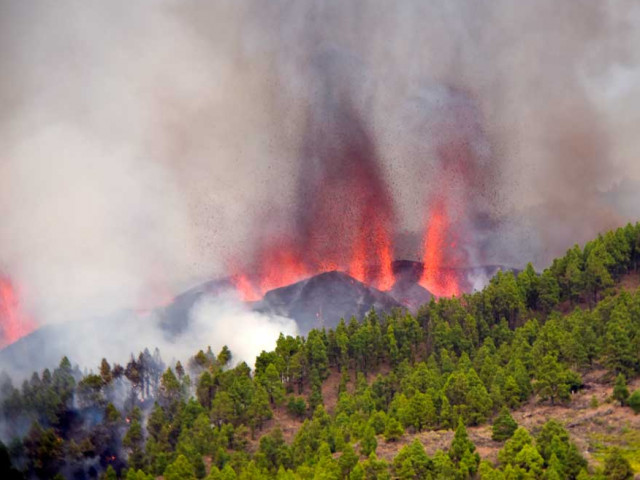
{"x": 140, "y": 142}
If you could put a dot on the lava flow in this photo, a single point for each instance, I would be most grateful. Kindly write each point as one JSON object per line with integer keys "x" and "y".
{"x": 14, "y": 324}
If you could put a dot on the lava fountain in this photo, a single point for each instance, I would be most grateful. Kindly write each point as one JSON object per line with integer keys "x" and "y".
{"x": 344, "y": 214}
{"x": 436, "y": 276}
{"x": 14, "y": 324}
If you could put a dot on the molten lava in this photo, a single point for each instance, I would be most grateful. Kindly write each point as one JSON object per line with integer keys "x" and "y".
{"x": 436, "y": 277}
{"x": 344, "y": 218}
{"x": 14, "y": 324}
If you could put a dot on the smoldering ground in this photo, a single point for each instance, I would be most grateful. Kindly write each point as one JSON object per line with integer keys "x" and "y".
{"x": 140, "y": 142}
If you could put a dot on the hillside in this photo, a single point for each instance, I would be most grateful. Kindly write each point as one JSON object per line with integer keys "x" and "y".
{"x": 551, "y": 360}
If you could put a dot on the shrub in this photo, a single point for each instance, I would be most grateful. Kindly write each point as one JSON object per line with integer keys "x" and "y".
{"x": 634, "y": 401}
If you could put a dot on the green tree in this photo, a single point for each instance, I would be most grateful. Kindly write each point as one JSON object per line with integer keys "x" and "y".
{"x": 133, "y": 441}
{"x": 224, "y": 357}
{"x": 270, "y": 380}
{"x": 529, "y": 284}
{"x": 552, "y": 379}
{"x": 616, "y": 467}
{"x": 259, "y": 410}
{"x": 170, "y": 389}
{"x": 634, "y": 401}
{"x": 463, "y": 452}
{"x": 504, "y": 426}
{"x": 412, "y": 462}
{"x": 105, "y": 372}
{"x": 369, "y": 443}
{"x": 44, "y": 450}
{"x": 347, "y": 460}
{"x": 422, "y": 411}
{"x": 512, "y": 447}
{"x": 110, "y": 473}
{"x": 549, "y": 295}
{"x": 296, "y": 406}
{"x": 274, "y": 452}
{"x": 317, "y": 354}
{"x": 596, "y": 274}
{"x": 620, "y": 353}
{"x": 393, "y": 430}
{"x": 222, "y": 408}
{"x": 558, "y": 452}
{"x": 180, "y": 469}
{"x": 620, "y": 390}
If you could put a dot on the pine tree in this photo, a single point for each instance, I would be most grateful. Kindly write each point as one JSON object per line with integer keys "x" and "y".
{"x": 620, "y": 354}
{"x": 369, "y": 443}
{"x": 393, "y": 430}
{"x": 620, "y": 390}
{"x": 110, "y": 473}
{"x": 504, "y": 426}
{"x": 463, "y": 452}
{"x": 347, "y": 460}
{"x": 181, "y": 469}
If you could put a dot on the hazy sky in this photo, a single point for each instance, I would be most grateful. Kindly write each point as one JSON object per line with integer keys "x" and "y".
{"x": 142, "y": 141}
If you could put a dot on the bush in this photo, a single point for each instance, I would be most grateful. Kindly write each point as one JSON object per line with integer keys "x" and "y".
{"x": 297, "y": 406}
{"x": 617, "y": 467}
{"x": 634, "y": 401}
{"x": 620, "y": 390}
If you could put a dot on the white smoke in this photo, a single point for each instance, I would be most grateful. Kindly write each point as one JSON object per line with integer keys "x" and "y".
{"x": 226, "y": 321}
{"x": 214, "y": 321}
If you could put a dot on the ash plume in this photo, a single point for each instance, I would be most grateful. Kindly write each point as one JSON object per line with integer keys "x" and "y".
{"x": 141, "y": 142}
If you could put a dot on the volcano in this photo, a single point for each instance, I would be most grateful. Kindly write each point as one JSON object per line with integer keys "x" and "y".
{"x": 322, "y": 300}
{"x": 319, "y": 301}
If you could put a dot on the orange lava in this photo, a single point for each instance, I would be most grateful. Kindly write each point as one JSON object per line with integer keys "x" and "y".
{"x": 245, "y": 289}
{"x": 14, "y": 324}
{"x": 372, "y": 255}
{"x": 436, "y": 277}
{"x": 282, "y": 264}
{"x": 281, "y": 267}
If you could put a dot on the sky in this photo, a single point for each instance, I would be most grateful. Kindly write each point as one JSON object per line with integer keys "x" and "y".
{"x": 145, "y": 146}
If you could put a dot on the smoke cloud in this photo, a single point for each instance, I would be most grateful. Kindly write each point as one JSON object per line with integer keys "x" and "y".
{"x": 140, "y": 143}
{"x": 214, "y": 321}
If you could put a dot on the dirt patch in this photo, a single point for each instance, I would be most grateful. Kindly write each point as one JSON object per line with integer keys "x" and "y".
{"x": 593, "y": 429}
{"x": 330, "y": 389}
{"x": 630, "y": 282}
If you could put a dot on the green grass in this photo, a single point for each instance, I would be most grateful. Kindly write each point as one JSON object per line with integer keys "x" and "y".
{"x": 628, "y": 440}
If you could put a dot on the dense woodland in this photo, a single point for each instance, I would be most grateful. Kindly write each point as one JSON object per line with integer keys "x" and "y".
{"x": 457, "y": 363}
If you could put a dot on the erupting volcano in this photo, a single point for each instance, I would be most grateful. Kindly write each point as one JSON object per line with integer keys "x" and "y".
{"x": 13, "y": 322}
{"x": 345, "y": 217}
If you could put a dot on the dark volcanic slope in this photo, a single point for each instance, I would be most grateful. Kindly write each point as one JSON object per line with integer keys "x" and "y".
{"x": 324, "y": 299}
{"x": 174, "y": 318}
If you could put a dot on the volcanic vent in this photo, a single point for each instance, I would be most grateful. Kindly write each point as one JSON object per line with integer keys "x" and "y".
{"x": 345, "y": 218}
